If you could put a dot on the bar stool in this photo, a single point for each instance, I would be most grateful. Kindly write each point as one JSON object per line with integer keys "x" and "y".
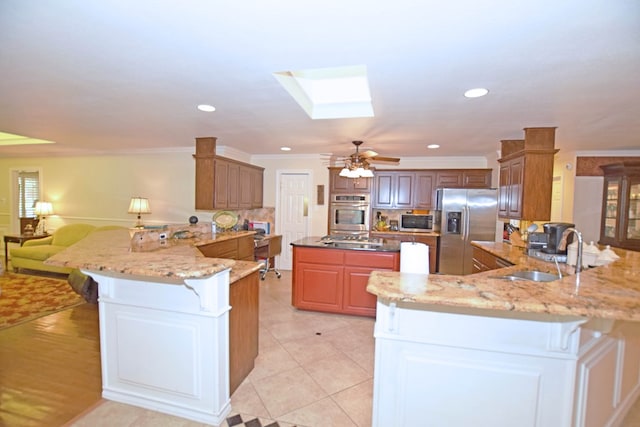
{"x": 272, "y": 249}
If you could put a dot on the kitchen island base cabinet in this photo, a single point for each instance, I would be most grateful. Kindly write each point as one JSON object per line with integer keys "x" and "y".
{"x": 451, "y": 367}
{"x": 335, "y": 280}
{"x": 165, "y": 344}
{"x": 243, "y": 328}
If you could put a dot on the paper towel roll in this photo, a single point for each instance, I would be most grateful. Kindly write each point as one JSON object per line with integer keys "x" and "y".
{"x": 414, "y": 257}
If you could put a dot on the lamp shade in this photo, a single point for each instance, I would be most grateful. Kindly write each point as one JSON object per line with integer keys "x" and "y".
{"x": 43, "y": 208}
{"x": 139, "y": 205}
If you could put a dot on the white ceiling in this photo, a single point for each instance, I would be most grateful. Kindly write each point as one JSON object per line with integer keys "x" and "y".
{"x": 122, "y": 75}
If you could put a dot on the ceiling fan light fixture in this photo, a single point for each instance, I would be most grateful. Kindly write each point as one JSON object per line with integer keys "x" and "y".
{"x": 345, "y": 172}
{"x": 368, "y": 173}
{"x": 353, "y": 174}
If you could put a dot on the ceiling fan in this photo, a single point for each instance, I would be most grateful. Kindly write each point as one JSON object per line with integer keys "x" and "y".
{"x": 357, "y": 165}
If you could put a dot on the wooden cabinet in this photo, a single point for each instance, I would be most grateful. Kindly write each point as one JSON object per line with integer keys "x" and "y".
{"x": 485, "y": 261}
{"x": 416, "y": 188}
{"x": 394, "y": 190}
{"x": 620, "y": 224}
{"x": 463, "y": 178}
{"x": 431, "y": 241}
{"x": 223, "y": 183}
{"x": 243, "y": 328}
{"x": 425, "y": 190}
{"x": 257, "y": 190}
{"x": 449, "y": 178}
{"x": 526, "y": 176}
{"x": 340, "y": 184}
{"x": 335, "y": 280}
{"x": 233, "y": 248}
{"x": 511, "y": 188}
{"x": 476, "y": 178}
{"x": 245, "y": 195}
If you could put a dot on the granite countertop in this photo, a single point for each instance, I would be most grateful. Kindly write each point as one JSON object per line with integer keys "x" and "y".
{"x": 317, "y": 242}
{"x": 111, "y": 251}
{"x": 610, "y": 292}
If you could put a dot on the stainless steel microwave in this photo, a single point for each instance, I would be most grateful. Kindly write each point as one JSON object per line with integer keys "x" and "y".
{"x": 416, "y": 222}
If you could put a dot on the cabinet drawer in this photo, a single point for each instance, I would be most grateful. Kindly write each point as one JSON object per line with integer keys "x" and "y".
{"x": 373, "y": 260}
{"x": 225, "y": 249}
{"x": 319, "y": 256}
{"x": 245, "y": 248}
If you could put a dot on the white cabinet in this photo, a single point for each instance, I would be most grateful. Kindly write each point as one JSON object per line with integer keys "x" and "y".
{"x": 607, "y": 382}
{"x": 459, "y": 367}
{"x": 164, "y": 345}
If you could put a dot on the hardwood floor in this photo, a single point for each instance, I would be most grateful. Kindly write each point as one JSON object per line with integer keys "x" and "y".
{"x": 50, "y": 368}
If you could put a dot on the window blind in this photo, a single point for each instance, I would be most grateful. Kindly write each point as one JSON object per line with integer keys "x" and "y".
{"x": 29, "y": 193}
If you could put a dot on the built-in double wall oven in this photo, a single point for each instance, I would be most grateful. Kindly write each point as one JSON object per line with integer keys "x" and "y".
{"x": 349, "y": 214}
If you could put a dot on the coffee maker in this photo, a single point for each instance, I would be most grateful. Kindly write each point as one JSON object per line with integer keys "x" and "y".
{"x": 554, "y": 231}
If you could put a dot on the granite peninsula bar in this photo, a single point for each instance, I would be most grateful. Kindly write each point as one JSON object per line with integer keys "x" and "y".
{"x": 484, "y": 351}
{"x": 164, "y": 318}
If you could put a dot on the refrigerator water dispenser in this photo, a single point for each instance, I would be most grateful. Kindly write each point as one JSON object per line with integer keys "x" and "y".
{"x": 454, "y": 220}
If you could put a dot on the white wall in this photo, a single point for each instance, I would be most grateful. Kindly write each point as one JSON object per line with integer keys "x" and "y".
{"x": 97, "y": 189}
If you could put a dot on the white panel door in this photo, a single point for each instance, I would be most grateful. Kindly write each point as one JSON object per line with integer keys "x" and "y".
{"x": 293, "y": 213}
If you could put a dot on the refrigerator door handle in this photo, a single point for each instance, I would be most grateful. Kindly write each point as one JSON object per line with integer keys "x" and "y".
{"x": 466, "y": 222}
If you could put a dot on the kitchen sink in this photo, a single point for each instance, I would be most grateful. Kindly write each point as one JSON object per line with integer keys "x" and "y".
{"x": 535, "y": 276}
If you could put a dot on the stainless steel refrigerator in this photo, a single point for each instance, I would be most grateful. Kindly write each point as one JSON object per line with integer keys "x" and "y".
{"x": 464, "y": 215}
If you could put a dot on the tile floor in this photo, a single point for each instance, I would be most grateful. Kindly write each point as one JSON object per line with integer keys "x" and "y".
{"x": 313, "y": 370}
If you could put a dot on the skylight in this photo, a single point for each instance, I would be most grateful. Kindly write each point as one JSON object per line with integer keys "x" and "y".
{"x": 11, "y": 139}
{"x": 330, "y": 93}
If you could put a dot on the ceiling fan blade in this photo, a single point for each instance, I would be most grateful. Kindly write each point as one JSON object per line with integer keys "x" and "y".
{"x": 368, "y": 154}
{"x": 384, "y": 159}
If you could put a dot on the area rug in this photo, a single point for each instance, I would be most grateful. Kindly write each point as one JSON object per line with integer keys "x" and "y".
{"x": 25, "y": 297}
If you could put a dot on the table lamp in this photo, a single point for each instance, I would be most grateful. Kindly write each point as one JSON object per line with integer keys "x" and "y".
{"x": 43, "y": 209}
{"x": 139, "y": 205}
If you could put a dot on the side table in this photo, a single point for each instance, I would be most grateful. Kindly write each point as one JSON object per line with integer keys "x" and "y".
{"x": 18, "y": 238}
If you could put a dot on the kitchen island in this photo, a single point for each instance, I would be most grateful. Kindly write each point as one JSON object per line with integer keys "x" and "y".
{"x": 331, "y": 276}
{"x": 166, "y": 332}
{"x": 485, "y": 351}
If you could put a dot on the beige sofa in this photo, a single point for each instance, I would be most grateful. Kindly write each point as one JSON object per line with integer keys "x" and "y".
{"x": 33, "y": 254}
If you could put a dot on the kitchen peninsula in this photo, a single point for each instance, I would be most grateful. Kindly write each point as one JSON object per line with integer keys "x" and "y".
{"x": 331, "y": 276}
{"x": 168, "y": 340}
{"x": 485, "y": 351}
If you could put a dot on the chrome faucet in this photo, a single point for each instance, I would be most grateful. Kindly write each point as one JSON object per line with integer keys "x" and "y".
{"x": 563, "y": 245}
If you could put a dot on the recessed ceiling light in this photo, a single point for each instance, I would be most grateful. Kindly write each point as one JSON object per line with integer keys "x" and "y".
{"x": 432, "y": 146}
{"x": 206, "y": 108}
{"x": 285, "y": 148}
{"x": 476, "y": 93}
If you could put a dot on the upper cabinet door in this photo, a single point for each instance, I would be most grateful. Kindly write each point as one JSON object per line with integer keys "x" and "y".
{"x": 480, "y": 178}
{"x": 340, "y": 184}
{"x": 405, "y": 189}
{"x": 221, "y": 183}
{"x": 449, "y": 179}
{"x": 384, "y": 190}
{"x": 620, "y": 224}
{"x": 632, "y": 225}
{"x": 425, "y": 190}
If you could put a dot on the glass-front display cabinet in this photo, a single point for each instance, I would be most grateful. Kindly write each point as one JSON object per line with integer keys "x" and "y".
{"x": 621, "y": 205}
